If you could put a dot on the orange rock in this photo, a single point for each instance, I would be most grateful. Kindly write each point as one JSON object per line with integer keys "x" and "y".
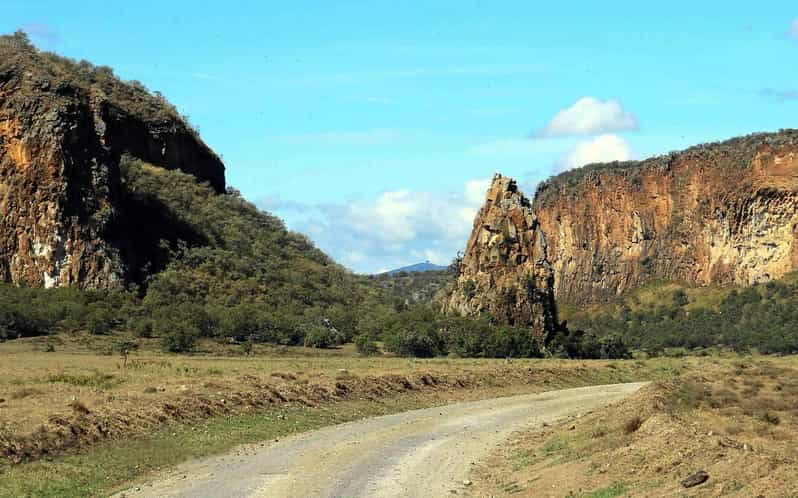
{"x": 504, "y": 270}
{"x": 717, "y": 214}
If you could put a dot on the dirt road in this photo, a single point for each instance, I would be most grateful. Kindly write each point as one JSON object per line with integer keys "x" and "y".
{"x": 420, "y": 453}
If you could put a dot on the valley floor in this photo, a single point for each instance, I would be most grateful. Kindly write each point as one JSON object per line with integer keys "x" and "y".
{"x": 77, "y": 423}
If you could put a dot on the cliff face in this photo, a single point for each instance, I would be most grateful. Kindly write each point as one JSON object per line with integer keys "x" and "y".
{"x": 724, "y": 214}
{"x": 63, "y": 128}
{"x": 504, "y": 271}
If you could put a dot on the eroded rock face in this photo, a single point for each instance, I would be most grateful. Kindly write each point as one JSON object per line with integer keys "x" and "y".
{"x": 61, "y": 138}
{"x": 721, "y": 214}
{"x": 504, "y": 270}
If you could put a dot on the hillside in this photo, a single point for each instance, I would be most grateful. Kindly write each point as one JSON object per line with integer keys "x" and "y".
{"x": 418, "y": 286}
{"x": 211, "y": 265}
{"x": 115, "y": 217}
{"x": 64, "y": 126}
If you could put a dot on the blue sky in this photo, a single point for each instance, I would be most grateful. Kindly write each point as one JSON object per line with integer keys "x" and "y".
{"x": 373, "y": 127}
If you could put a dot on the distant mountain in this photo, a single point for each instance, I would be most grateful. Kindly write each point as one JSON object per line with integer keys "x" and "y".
{"x": 419, "y": 283}
{"x": 417, "y": 268}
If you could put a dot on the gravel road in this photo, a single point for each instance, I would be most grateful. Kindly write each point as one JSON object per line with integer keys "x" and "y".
{"x": 420, "y": 453}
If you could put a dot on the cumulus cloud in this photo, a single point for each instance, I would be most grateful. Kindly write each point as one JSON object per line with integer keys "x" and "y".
{"x": 396, "y": 228}
{"x": 590, "y": 116}
{"x": 601, "y": 149}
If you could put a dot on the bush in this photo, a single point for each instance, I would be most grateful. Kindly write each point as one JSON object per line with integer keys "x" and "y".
{"x": 469, "y": 289}
{"x": 100, "y": 321}
{"x": 143, "y": 327}
{"x": 179, "y": 338}
{"x": 366, "y": 346}
{"x": 421, "y": 343}
{"x": 319, "y": 336}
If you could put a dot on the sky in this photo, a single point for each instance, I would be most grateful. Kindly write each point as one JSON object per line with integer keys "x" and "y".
{"x": 374, "y": 127}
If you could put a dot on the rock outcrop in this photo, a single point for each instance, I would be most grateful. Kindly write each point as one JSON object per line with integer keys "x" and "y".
{"x": 504, "y": 271}
{"x": 63, "y": 128}
{"x": 716, "y": 214}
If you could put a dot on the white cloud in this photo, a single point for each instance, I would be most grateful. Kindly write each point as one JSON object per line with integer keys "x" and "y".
{"x": 602, "y": 149}
{"x": 354, "y": 257}
{"x": 794, "y": 29}
{"x": 475, "y": 192}
{"x": 590, "y": 116}
{"x": 398, "y": 227}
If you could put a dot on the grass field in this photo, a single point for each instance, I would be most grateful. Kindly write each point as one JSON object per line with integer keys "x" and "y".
{"x": 75, "y": 422}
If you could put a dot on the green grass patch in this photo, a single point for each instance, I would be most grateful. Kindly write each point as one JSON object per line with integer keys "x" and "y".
{"x": 524, "y": 459}
{"x": 97, "y": 380}
{"x": 104, "y": 468}
{"x": 614, "y": 490}
{"x": 553, "y": 446}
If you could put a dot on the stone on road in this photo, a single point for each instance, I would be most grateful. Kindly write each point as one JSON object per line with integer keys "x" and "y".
{"x": 419, "y": 453}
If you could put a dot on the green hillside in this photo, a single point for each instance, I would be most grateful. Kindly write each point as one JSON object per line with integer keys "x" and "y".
{"x": 207, "y": 265}
{"x": 667, "y": 316}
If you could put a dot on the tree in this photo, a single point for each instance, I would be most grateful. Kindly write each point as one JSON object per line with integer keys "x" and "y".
{"x": 680, "y": 298}
{"x": 125, "y": 348}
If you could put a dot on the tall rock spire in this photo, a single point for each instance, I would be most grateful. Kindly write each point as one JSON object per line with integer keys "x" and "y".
{"x": 504, "y": 271}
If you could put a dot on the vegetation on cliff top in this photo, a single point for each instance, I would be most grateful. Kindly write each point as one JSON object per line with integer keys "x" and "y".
{"x": 733, "y": 153}
{"x": 47, "y": 68}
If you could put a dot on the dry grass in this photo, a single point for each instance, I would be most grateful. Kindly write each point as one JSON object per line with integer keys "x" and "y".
{"x": 738, "y": 420}
{"x": 75, "y": 397}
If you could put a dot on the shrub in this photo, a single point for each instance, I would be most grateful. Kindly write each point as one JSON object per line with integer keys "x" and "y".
{"x": 99, "y": 321}
{"x": 422, "y": 342}
{"x": 633, "y": 424}
{"x": 181, "y": 338}
{"x": 143, "y": 327}
{"x": 319, "y": 336}
{"x": 366, "y": 346}
{"x": 469, "y": 289}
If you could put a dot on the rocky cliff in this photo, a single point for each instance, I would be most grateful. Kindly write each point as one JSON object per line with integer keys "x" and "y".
{"x": 63, "y": 128}
{"x": 722, "y": 214}
{"x": 504, "y": 271}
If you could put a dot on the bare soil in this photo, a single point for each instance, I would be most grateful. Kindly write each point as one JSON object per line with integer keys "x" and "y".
{"x": 735, "y": 420}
